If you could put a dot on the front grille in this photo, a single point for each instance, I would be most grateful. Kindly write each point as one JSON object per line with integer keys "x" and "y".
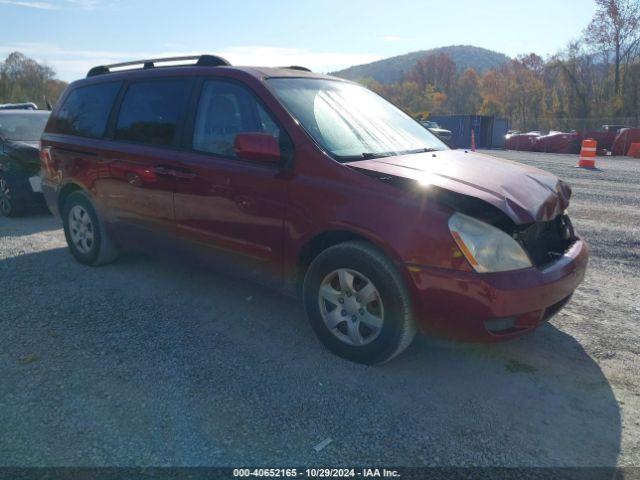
{"x": 545, "y": 242}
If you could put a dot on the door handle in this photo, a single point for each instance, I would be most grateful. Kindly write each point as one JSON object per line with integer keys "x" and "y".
{"x": 135, "y": 174}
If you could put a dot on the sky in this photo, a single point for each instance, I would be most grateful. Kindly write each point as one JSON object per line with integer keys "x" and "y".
{"x": 73, "y": 35}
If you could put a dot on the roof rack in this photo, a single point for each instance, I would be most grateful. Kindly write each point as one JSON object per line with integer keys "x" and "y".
{"x": 201, "y": 61}
{"x": 298, "y": 67}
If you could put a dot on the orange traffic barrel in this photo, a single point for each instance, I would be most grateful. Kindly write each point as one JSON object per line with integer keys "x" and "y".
{"x": 588, "y": 153}
{"x": 634, "y": 150}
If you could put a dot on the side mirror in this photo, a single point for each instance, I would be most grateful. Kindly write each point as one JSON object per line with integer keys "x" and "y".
{"x": 261, "y": 147}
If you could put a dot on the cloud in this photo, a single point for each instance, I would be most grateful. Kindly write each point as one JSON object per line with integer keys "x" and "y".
{"x": 71, "y": 64}
{"x": 395, "y": 38}
{"x": 82, "y": 4}
{"x": 36, "y": 5}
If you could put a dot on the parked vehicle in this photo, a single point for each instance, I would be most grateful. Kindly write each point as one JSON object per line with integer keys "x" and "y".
{"x": 433, "y": 127}
{"x": 511, "y": 133}
{"x": 19, "y": 106}
{"x": 20, "y": 185}
{"x": 315, "y": 186}
{"x": 614, "y": 128}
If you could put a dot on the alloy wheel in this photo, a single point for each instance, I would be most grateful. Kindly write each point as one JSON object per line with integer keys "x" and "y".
{"x": 81, "y": 229}
{"x": 351, "y": 307}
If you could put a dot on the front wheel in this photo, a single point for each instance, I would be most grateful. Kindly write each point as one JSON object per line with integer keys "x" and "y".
{"x": 358, "y": 304}
{"x": 86, "y": 236}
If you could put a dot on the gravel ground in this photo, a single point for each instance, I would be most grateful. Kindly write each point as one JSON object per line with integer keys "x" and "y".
{"x": 145, "y": 362}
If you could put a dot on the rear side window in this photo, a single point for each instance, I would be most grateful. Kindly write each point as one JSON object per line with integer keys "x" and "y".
{"x": 86, "y": 110}
{"x": 150, "y": 111}
{"x": 224, "y": 110}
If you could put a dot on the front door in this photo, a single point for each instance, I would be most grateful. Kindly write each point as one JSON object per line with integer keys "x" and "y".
{"x": 233, "y": 208}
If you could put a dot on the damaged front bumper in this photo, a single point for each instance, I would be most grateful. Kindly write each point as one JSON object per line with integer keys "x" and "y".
{"x": 471, "y": 306}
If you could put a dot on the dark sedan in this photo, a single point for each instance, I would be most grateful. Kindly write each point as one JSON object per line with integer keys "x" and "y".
{"x": 20, "y": 185}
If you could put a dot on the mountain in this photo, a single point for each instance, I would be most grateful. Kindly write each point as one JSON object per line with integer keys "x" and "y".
{"x": 393, "y": 69}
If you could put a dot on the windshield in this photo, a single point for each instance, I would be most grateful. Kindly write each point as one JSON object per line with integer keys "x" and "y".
{"x": 26, "y": 127}
{"x": 351, "y": 122}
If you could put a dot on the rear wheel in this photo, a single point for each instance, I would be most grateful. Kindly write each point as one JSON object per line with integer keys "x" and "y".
{"x": 10, "y": 205}
{"x": 357, "y": 303}
{"x": 86, "y": 236}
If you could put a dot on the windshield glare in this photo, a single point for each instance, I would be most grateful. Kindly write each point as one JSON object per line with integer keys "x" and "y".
{"x": 351, "y": 122}
{"x": 22, "y": 126}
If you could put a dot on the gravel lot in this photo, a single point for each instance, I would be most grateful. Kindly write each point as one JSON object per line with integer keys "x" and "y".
{"x": 145, "y": 362}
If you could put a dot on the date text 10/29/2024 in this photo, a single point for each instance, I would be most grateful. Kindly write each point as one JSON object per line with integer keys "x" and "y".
{"x": 316, "y": 472}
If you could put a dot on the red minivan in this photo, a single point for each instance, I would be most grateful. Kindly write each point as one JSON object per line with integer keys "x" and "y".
{"x": 315, "y": 186}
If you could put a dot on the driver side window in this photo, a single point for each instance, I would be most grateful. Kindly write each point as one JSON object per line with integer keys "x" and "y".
{"x": 224, "y": 110}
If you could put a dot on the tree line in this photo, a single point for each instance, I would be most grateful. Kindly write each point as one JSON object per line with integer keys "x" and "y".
{"x": 594, "y": 79}
{"x": 22, "y": 79}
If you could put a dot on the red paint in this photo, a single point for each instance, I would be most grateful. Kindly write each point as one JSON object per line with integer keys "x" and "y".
{"x": 526, "y": 194}
{"x": 256, "y": 218}
{"x": 458, "y": 304}
{"x": 257, "y": 146}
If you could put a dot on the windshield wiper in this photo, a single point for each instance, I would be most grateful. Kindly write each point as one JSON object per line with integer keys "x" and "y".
{"x": 369, "y": 155}
{"x": 373, "y": 155}
{"x": 420, "y": 150}
{"x": 365, "y": 156}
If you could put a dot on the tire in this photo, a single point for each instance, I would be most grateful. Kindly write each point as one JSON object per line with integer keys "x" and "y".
{"x": 86, "y": 236}
{"x": 370, "y": 335}
{"x": 11, "y": 205}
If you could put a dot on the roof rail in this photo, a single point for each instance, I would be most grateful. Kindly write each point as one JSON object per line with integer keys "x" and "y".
{"x": 201, "y": 61}
{"x": 298, "y": 67}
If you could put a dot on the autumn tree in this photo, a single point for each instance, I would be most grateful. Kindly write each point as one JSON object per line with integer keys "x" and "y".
{"x": 515, "y": 91}
{"x": 592, "y": 81}
{"x": 615, "y": 30}
{"x": 493, "y": 93}
{"x": 22, "y": 79}
{"x": 631, "y": 98}
{"x": 466, "y": 98}
{"x": 436, "y": 70}
{"x": 574, "y": 87}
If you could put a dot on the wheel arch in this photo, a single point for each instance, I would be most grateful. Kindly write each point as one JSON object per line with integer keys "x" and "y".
{"x": 67, "y": 190}
{"x": 318, "y": 243}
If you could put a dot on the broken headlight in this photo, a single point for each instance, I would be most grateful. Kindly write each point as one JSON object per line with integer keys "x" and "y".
{"x": 487, "y": 248}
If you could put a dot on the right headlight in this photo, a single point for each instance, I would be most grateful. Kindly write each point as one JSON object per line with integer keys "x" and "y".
{"x": 487, "y": 248}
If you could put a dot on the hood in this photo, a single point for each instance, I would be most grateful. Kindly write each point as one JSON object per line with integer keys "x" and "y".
{"x": 18, "y": 144}
{"x": 525, "y": 194}
{"x": 23, "y": 156}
